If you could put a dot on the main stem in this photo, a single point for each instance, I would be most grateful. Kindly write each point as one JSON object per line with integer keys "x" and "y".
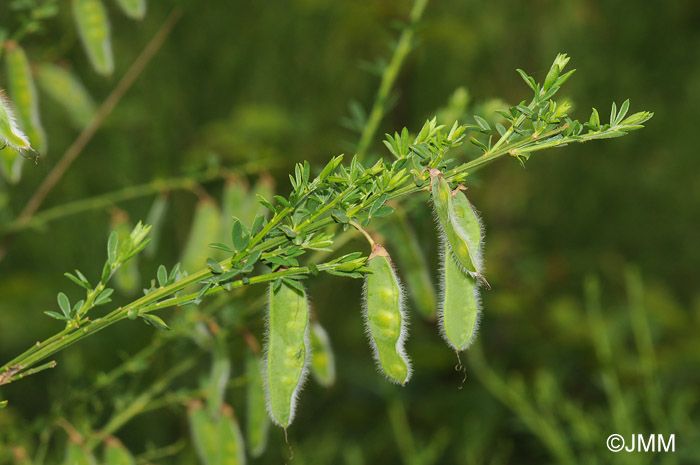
{"x": 153, "y": 301}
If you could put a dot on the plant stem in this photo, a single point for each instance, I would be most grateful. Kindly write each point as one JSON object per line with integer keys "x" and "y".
{"x": 403, "y": 47}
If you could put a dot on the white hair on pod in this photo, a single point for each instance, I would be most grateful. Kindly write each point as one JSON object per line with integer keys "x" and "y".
{"x": 403, "y": 329}
{"x": 304, "y": 370}
{"x": 12, "y": 123}
{"x": 446, "y": 254}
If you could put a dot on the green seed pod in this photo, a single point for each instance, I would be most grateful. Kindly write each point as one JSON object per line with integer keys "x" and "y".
{"x": 156, "y": 218}
{"x": 217, "y": 442}
{"x": 93, "y": 26}
{"x": 385, "y": 318}
{"x": 231, "y": 439}
{"x": 258, "y": 424}
{"x": 287, "y": 351}
{"x": 65, "y": 88}
{"x": 460, "y": 306}
{"x": 116, "y": 454}
{"x": 76, "y": 454}
{"x": 10, "y": 133}
{"x": 204, "y": 231}
{"x": 218, "y": 378}
{"x": 134, "y": 9}
{"x": 322, "y": 359}
{"x": 127, "y": 278}
{"x": 204, "y": 434}
{"x": 411, "y": 260}
{"x": 24, "y": 95}
{"x": 11, "y": 165}
{"x": 460, "y": 224}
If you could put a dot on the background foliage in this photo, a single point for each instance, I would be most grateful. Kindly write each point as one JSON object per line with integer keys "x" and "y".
{"x": 271, "y": 85}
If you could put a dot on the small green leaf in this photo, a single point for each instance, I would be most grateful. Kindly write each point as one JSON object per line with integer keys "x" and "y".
{"x": 77, "y": 281}
{"x": 383, "y": 211}
{"x": 288, "y": 231}
{"x": 154, "y": 321}
{"x": 104, "y": 297}
{"x": 483, "y": 124}
{"x": 294, "y": 283}
{"x": 281, "y": 200}
{"x": 162, "y": 275}
{"x": 239, "y": 237}
{"x": 253, "y": 258}
{"x": 112, "y": 245}
{"x": 214, "y": 266}
{"x": 220, "y": 246}
{"x": 56, "y": 316}
{"x": 257, "y": 223}
{"x": 106, "y": 270}
{"x": 339, "y": 216}
{"x": 313, "y": 269}
{"x": 64, "y": 304}
{"x": 479, "y": 144}
{"x": 528, "y": 79}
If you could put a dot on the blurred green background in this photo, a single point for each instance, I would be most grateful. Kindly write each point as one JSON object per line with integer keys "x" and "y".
{"x": 268, "y": 85}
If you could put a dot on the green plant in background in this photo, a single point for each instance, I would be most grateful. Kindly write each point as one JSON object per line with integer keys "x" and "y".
{"x": 285, "y": 241}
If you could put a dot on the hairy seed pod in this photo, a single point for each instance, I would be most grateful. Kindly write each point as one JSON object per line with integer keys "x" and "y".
{"x": 287, "y": 351}
{"x": 204, "y": 231}
{"x": 93, "y": 26}
{"x": 257, "y": 424}
{"x": 385, "y": 318}
{"x": 65, "y": 88}
{"x": 116, "y": 454}
{"x": 460, "y": 224}
{"x": 460, "y": 306}
{"x": 322, "y": 359}
{"x": 77, "y": 454}
{"x": 217, "y": 442}
{"x": 11, "y": 135}
{"x": 24, "y": 95}
{"x": 134, "y": 9}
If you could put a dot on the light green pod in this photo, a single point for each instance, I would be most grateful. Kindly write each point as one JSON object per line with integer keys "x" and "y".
{"x": 219, "y": 441}
{"x": 116, "y": 454}
{"x": 156, "y": 217}
{"x": 93, "y": 27}
{"x": 24, "y": 95}
{"x": 287, "y": 351}
{"x": 460, "y": 307}
{"x": 218, "y": 378}
{"x": 11, "y": 165}
{"x": 460, "y": 224}
{"x": 411, "y": 260}
{"x": 11, "y": 135}
{"x": 233, "y": 452}
{"x": 78, "y": 455}
{"x": 134, "y": 9}
{"x": 127, "y": 278}
{"x": 204, "y": 231}
{"x": 257, "y": 424}
{"x": 65, "y": 88}
{"x": 204, "y": 433}
{"x": 322, "y": 358}
{"x": 385, "y": 318}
